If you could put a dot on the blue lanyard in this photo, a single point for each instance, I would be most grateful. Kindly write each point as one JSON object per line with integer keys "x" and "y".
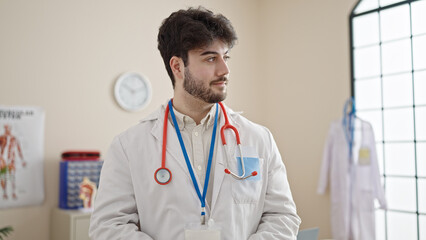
{"x": 349, "y": 131}
{"x": 188, "y": 163}
{"x": 349, "y": 124}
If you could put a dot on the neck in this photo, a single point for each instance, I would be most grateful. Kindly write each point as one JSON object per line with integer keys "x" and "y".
{"x": 193, "y": 107}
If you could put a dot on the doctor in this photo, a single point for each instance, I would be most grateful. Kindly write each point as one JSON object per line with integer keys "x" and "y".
{"x": 173, "y": 176}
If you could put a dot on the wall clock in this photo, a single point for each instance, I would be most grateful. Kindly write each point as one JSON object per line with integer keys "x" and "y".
{"x": 132, "y": 91}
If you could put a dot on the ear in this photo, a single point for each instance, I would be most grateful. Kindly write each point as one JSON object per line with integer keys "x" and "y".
{"x": 177, "y": 66}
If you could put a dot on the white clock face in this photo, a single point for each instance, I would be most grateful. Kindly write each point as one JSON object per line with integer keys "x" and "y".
{"x": 132, "y": 91}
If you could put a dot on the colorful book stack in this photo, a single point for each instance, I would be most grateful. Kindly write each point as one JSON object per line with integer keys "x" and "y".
{"x": 76, "y": 165}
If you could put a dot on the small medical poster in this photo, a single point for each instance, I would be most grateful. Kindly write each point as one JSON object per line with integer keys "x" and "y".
{"x": 21, "y": 156}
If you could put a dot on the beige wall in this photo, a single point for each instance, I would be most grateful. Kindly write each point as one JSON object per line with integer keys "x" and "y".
{"x": 292, "y": 57}
{"x": 308, "y": 80}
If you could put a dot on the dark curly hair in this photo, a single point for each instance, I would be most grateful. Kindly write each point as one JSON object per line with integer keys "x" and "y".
{"x": 189, "y": 29}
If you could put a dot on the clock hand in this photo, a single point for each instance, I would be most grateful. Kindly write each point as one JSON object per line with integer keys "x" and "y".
{"x": 132, "y": 91}
{"x": 127, "y": 87}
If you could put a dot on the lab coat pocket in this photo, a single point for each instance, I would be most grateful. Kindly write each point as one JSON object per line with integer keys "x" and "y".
{"x": 248, "y": 190}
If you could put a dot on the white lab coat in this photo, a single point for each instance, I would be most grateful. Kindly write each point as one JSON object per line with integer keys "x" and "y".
{"x": 130, "y": 204}
{"x": 353, "y": 189}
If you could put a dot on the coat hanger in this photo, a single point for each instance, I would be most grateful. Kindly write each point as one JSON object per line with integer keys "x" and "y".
{"x": 349, "y": 107}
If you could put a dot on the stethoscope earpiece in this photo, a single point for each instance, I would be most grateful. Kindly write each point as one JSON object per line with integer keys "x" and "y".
{"x": 227, "y": 171}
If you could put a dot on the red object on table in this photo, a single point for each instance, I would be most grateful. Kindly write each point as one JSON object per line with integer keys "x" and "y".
{"x": 80, "y": 155}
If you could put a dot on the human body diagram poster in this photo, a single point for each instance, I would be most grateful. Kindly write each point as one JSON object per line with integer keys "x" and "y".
{"x": 21, "y": 156}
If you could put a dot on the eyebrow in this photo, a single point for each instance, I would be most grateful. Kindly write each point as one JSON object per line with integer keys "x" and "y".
{"x": 211, "y": 52}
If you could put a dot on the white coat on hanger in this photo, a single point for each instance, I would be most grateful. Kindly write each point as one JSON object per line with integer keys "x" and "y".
{"x": 353, "y": 187}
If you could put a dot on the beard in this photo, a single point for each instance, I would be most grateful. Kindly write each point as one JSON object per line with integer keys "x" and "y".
{"x": 196, "y": 88}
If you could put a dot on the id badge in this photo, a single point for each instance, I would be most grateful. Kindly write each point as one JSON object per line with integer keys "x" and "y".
{"x": 364, "y": 156}
{"x": 196, "y": 231}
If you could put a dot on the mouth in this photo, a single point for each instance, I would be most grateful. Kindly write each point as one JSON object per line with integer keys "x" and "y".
{"x": 219, "y": 83}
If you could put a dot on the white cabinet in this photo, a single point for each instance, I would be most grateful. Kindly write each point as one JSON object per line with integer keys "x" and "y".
{"x": 69, "y": 225}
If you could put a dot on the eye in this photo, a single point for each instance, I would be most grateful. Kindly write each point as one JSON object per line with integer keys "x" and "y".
{"x": 211, "y": 59}
{"x": 226, "y": 58}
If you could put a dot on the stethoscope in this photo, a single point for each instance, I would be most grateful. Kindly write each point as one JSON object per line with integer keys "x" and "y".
{"x": 163, "y": 175}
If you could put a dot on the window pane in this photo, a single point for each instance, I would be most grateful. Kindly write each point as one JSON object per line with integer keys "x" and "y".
{"x": 419, "y": 52}
{"x": 366, "y": 5}
{"x": 375, "y": 118}
{"x": 380, "y": 224}
{"x": 418, "y": 16}
{"x": 402, "y": 226}
{"x": 400, "y": 159}
{"x": 395, "y": 23}
{"x": 421, "y": 123}
{"x": 366, "y": 29}
{"x": 367, "y": 62}
{"x": 422, "y": 223}
{"x": 401, "y": 193}
{"x": 398, "y": 90}
{"x": 421, "y": 159}
{"x": 399, "y": 124}
{"x": 420, "y": 87}
{"x": 396, "y": 57}
{"x": 368, "y": 93}
{"x": 422, "y": 195}
{"x": 388, "y": 2}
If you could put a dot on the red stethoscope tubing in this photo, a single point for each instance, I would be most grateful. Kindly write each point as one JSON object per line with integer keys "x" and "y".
{"x": 163, "y": 154}
{"x": 226, "y": 126}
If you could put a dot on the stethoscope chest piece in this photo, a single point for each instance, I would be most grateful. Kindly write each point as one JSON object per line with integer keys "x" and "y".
{"x": 163, "y": 176}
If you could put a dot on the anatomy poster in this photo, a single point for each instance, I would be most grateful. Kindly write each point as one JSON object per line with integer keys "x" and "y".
{"x": 21, "y": 156}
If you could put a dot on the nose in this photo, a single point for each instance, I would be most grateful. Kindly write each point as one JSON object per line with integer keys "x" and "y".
{"x": 222, "y": 68}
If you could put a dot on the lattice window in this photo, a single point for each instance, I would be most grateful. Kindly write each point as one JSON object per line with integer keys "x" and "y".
{"x": 388, "y": 41}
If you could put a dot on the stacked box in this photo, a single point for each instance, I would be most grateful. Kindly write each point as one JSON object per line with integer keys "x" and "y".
{"x": 71, "y": 175}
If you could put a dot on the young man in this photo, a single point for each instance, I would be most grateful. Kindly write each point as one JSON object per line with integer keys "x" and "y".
{"x": 150, "y": 192}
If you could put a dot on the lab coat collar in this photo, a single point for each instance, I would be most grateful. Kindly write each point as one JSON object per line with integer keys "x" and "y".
{"x": 154, "y": 115}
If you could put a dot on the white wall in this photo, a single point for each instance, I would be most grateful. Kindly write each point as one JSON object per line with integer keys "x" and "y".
{"x": 292, "y": 57}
